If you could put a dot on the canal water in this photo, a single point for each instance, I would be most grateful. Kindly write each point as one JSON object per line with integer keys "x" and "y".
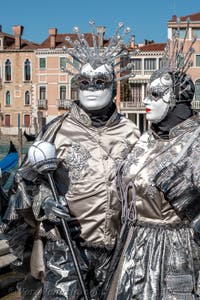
{"x": 4, "y": 148}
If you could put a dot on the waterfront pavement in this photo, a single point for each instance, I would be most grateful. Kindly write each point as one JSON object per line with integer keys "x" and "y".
{"x": 8, "y": 276}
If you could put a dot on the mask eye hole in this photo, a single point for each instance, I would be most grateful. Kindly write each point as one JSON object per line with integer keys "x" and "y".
{"x": 84, "y": 82}
{"x": 99, "y": 81}
{"x": 155, "y": 95}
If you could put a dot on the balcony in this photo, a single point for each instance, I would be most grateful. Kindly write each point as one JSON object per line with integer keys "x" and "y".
{"x": 42, "y": 104}
{"x": 131, "y": 105}
{"x": 141, "y": 73}
{"x": 196, "y": 104}
{"x": 64, "y": 103}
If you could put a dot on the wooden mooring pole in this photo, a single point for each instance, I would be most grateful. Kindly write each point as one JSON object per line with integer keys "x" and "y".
{"x": 20, "y": 144}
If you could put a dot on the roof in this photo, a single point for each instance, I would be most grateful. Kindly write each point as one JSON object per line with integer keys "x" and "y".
{"x": 9, "y": 42}
{"x": 192, "y": 17}
{"x": 60, "y": 40}
{"x": 153, "y": 47}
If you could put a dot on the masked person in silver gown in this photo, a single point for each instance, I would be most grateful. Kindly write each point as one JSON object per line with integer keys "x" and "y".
{"x": 161, "y": 257}
{"x": 91, "y": 140}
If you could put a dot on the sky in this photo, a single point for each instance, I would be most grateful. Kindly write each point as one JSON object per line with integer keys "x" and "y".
{"x": 146, "y": 18}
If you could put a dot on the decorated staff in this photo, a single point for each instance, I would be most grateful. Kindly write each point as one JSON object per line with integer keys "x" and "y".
{"x": 42, "y": 156}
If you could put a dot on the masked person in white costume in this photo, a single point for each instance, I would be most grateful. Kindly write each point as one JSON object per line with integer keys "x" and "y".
{"x": 161, "y": 258}
{"x": 91, "y": 141}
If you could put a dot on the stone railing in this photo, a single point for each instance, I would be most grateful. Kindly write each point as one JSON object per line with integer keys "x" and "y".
{"x": 42, "y": 104}
{"x": 64, "y": 103}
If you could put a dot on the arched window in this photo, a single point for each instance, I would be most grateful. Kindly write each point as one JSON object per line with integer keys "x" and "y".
{"x": 7, "y": 70}
{"x": 27, "y": 120}
{"x": 7, "y": 102}
{"x": 197, "y": 90}
{"x": 27, "y": 100}
{"x": 27, "y": 70}
{"x": 7, "y": 121}
{"x": 74, "y": 90}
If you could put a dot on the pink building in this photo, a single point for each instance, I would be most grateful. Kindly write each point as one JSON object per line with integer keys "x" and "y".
{"x": 17, "y": 77}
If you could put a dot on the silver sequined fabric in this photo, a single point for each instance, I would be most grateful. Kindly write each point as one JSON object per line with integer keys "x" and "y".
{"x": 161, "y": 260}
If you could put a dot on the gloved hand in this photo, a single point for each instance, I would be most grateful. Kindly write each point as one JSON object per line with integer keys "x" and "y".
{"x": 53, "y": 211}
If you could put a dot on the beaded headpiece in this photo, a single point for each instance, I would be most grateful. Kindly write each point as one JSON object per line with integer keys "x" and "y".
{"x": 176, "y": 61}
{"x": 98, "y": 55}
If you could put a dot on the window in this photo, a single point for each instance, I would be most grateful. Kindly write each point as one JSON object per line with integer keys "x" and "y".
{"x": 27, "y": 70}
{"x": 161, "y": 63}
{"x": 74, "y": 90}
{"x": 198, "y": 60}
{"x": 62, "y": 62}
{"x": 7, "y": 98}
{"x": 150, "y": 63}
{"x": 27, "y": 120}
{"x": 137, "y": 64}
{"x": 62, "y": 92}
{"x": 196, "y": 32}
{"x": 7, "y": 70}
{"x": 124, "y": 61}
{"x": 182, "y": 32}
{"x": 27, "y": 98}
{"x": 180, "y": 60}
{"x": 75, "y": 63}
{"x": 137, "y": 92}
{"x": 7, "y": 121}
{"x": 197, "y": 90}
{"x": 42, "y": 93}
{"x": 42, "y": 63}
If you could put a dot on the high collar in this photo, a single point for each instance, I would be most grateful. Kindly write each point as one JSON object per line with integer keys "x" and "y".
{"x": 179, "y": 129}
{"x": 82, "y": 116}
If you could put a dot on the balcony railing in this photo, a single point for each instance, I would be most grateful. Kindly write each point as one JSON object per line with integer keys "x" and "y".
{"x": 131, "y": 104}
{"x": 143, "y": 72}
{"x": 134, "y": 104}
{"x": 64, "y": 103}
{"x": 42, "y": 104}
{"x": 196, "y": 104}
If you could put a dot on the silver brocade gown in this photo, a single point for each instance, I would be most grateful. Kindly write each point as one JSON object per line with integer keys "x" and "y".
{"x": 161, "y": 260}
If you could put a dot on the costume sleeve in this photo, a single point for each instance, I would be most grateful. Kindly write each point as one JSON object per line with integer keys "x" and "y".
{"x": 180, "y": 184}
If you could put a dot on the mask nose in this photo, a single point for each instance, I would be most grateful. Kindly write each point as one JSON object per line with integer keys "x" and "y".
{"x": 146, "y": 100}
{"x": 91, "y": 88}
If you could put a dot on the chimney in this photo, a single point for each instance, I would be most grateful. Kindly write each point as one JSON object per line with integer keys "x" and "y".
{"x": 18, "y": 31}
{"x": 132, "y": 41}
{"x": 101, "y": 31}
{"x": 174, "y": 18}
{"x": 52, "y": 35}
{"x": 0, "y": 28}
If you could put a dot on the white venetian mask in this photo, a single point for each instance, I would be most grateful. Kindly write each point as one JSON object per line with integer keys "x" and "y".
{"x": 95, "y": 86}
{"x": 157, "y": 102}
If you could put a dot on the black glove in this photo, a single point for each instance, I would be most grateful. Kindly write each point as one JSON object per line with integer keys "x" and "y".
{"x": 53, "y": 210}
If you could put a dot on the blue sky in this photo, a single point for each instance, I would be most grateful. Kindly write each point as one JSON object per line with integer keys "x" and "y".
{"x": 147, "y": 18}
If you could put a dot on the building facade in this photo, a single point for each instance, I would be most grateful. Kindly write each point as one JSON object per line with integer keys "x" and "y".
{"x": 34, "y": 89}
{"x": 17, "y": 77}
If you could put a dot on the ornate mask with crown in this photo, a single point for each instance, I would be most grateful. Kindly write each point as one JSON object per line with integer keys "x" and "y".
{"x": 175, "y": 63}
{"x": 98, "y": 67}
